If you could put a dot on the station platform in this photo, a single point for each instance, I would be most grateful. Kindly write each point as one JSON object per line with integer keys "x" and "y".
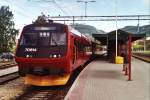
{"x": 101, "y": 80}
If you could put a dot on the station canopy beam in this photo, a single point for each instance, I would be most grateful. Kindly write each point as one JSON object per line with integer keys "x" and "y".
{"x": 103, "y": 37}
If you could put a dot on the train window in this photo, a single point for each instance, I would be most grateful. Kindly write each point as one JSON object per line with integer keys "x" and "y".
{"x": 29, "y": 39}
{"x": 79, "y": 45}
{"x": 58, "y": 39}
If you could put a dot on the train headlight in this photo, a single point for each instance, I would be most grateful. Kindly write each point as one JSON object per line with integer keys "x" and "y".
{"x": 54, "y": 56}
{"x": 59, "y": 55}
{"x": 27, "y": 56}
{"x": 50, "y": 56}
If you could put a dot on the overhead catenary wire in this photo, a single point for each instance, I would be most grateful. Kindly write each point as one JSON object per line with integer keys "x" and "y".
{"x": 86, "y": 3}
{"x": 99, "y": 19}
{"x": 45, "y": 8}
{"x": 102, "y": 18}
{"x": 41, "y": 5}
{"x": 17, "y": 11}
{"x": 60, "y": 7}
{"x": 56, "y": 4}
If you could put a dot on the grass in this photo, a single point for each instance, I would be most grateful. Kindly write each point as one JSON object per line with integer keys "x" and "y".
{"x": 144, "y": 52}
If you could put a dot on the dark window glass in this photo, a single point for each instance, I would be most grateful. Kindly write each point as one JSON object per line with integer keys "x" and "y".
{"x": 29, "y": 39}
{"x": 44, "y": 38}
{"x": 58, "y": 39}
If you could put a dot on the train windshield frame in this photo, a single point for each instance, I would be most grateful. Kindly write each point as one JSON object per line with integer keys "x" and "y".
{"x": 29, "y": 39}
{"x": 43, "y": 37}
{"x": 58, "y": 39}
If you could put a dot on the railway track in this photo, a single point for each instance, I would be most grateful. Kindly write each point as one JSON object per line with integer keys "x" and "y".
{"x": 8, "y": 77}
{"x": 44, "y": 93}
{"x": 4, "y": 66}
{"x": 145, "y": 58}
{"x": 49, "y": 93}
{"x": 53, "y": 92}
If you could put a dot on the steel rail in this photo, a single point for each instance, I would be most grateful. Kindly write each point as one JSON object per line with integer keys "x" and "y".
{"x": 8, "y": 77}
{"x": 51, "y": 92}
{"x": 4, "y": 66}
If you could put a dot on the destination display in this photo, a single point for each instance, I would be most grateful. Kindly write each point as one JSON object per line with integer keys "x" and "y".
{"x": 44, "y": 28}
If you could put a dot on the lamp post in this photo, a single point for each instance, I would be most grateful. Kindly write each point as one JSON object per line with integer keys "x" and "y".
{"x": 86, "y": 3}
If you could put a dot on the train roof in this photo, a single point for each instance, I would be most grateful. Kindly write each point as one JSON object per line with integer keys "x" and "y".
{"x": 76, "y": 32}
{"x": 45, "y": 24}
{"x": 70, "y": 28}
{"x": 44, "y": 27}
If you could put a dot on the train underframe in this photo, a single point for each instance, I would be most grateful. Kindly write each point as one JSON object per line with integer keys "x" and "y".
{"x": 44, "y": 74}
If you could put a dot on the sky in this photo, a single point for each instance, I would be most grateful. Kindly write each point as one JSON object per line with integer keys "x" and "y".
{"x": 26, "y": 11}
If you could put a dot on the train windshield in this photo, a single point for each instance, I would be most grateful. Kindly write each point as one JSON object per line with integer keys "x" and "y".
{"x": 29, "y": 39}
{"x": 58, "y": 39}
{"x": 43, "y": 39}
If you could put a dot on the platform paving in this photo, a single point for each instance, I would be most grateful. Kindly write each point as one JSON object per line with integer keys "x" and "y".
{"x": 101, "y": 80}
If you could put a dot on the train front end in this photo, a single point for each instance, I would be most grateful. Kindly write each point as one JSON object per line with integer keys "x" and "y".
{"x": 42, "y": 54}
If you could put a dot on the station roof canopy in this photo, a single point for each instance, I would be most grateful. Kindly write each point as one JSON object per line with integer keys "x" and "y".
{"x": 121, "y": 36}
{"x": 101, "y": 37}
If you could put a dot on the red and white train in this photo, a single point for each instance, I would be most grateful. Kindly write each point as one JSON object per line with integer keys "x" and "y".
{"x": 47, "y": 53}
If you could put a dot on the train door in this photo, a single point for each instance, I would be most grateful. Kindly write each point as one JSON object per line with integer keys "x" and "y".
{"x": 74, "y": 52}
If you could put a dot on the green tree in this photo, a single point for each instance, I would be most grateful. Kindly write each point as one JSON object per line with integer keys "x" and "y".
{"x": 7, "y": 31}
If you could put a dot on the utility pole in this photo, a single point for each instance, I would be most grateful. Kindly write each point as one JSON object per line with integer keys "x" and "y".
{"x": 116, "y": 27}
{"x": 86, "y": 3}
